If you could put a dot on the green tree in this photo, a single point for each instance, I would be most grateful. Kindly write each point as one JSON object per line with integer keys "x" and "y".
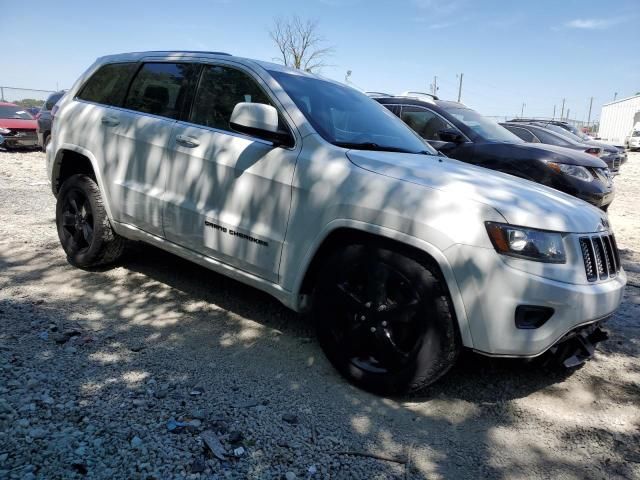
{"x": 29, "y": 102}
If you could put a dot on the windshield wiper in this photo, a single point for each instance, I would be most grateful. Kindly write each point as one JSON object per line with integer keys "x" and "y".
{"x": 377, "y": 147}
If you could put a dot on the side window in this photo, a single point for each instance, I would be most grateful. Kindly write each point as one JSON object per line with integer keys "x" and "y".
{"x": 108, "y": 85}
{"x": 162, "y": 88}
{"x": 395, "y": 109}
{"x": 424, "y": 122}
{"x": 524, "y": 134}
{"x": 220, "y": 89}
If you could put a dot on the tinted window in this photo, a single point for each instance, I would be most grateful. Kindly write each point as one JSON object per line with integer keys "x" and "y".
{"x": 636, "y": 134}
{"x": 524, "y": 134}
{"x": 53, "y": 99}
{"x": 424, "y": 122}
{"x": 348, "y": 118}
{"x": 109, "y": 84}
{"x": 11, "y": 111}
{"x": 561, "y": 131}
{"x": 220, "y": 89}
{"x": 162, "y": 88}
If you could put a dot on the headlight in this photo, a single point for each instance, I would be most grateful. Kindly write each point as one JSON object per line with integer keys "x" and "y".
{"x": 528, "y": 243}
{"x": 575, "y": 171}
{"x": 4, "y": 131}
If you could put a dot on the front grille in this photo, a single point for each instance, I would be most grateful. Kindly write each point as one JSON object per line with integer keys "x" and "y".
{"x": 600, "y": 255}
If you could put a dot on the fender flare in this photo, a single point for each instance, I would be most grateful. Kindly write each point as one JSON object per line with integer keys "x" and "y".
{"x": 55, "y": 170}
{"x": 401, "y": 237}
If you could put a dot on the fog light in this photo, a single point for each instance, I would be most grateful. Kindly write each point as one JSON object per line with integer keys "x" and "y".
{"x": 531, "y": 316}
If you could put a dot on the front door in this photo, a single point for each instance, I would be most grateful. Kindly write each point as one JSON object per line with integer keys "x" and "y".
{"x": 228, "y": 195}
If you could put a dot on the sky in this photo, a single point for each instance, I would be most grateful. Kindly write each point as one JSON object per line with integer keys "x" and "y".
{"x": 510, "y": 52}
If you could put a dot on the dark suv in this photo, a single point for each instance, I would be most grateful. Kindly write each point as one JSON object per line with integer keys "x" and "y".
{"x": 44, "y": 118}
{"x": 462, "y": 133}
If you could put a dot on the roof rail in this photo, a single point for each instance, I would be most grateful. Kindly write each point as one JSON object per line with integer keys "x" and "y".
{"x": 378, "y": 94}
{"x": 420, "y": 95}
{"x": 189, "y": 51}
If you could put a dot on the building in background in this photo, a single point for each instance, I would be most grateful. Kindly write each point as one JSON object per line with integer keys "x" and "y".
{"x": 619, "y": 118}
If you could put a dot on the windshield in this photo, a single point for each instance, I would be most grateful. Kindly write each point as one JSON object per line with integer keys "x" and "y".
{"x": 52, "y": 100}
{"x": 485, "y": 127}
{"x": 347, "y": 118}
{"x": 566, "y": 133}
{"x": 13, "y": 111}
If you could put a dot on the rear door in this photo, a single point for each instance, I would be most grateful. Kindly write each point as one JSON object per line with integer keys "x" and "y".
{"x": 156, "y": 98}
{"x": 228, "y": 194}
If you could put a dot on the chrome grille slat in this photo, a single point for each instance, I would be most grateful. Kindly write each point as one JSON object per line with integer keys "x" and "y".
{"x": 600, "y": 256}
{"x": 613, "y": 268}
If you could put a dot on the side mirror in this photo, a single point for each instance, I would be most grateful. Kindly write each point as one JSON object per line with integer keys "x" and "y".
{"x": 450, "y": 135}
{"x": 259, "y": 120}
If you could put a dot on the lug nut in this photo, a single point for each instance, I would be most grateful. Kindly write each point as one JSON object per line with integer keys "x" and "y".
{"x": 363, "y": 318}
{"x": 373, "y": 329}
{"x": 384, "y": 323}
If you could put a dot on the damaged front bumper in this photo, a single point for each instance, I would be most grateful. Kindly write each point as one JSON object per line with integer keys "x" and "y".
{"x": 577, "y": 346}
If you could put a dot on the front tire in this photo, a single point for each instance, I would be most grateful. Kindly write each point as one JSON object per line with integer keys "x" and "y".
{"x": 384, "y": 320}
{"x": 83, "y": 226}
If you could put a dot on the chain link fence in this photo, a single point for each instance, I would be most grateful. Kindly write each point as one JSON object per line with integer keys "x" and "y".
{"x": 25, "y": 97}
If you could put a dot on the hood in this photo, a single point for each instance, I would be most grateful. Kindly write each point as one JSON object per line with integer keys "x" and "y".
{"x": 520, "y": 202}
{"x": 553, "y": 153}
{"x": 18, "y": 123}
{"x": 605, "y": 146}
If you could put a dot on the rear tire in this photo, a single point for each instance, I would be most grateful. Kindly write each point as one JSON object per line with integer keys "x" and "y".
{"x": 83, "y": 225}
{"x": 384, "y": 320}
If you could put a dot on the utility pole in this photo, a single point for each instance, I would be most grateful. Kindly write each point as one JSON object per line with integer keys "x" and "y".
{"x": 554, "y": 113}
{"x": 2, "y": 94}
{"x": 434, "y": 86}
{"x": 615, "y": 95}
{"x": 522, "y": 111}
{"x": 589, "y": 116}
{"x": 562, "y": 112}
{"x": 460, "y": 87}
{"x": 567, "y": 117}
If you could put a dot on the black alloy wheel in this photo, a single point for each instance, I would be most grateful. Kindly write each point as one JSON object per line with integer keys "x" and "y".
{"x": 84, "y": 228}
{"x": 384, "y": 320}
{"x": 77, "y": 221}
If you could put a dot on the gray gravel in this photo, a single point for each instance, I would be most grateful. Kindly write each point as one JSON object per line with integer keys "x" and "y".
{"x": 122, "y": 373}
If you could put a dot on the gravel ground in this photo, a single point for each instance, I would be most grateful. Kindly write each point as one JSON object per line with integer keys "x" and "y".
{"x": 119, "y": 373}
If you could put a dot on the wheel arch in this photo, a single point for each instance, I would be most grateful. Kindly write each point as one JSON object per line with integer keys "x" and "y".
{"x": 342, "y": 233}
{"x": 71, "y": 160}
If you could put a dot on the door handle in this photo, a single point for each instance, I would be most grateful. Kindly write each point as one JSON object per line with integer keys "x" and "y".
{"x": 187, "y": 141}
{"x": 110, "y": 121}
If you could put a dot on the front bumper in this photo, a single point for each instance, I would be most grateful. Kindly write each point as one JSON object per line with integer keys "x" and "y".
{"x": 493, "y": 286}
{"x": 21, "y": 140}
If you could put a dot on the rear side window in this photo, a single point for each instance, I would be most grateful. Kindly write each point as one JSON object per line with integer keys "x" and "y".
{"x": 220, "y": 89}
{"x": 108, "y": 85}
{"x": 162, "y": 88}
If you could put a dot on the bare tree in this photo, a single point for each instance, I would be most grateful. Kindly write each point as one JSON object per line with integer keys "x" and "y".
{"x": 300, "y": 44}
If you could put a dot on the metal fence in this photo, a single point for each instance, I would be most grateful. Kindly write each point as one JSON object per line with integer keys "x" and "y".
{"x": 25, "y": 97}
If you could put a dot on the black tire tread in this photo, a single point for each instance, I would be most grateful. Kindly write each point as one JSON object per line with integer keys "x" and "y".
{"x": 112, "y": 245}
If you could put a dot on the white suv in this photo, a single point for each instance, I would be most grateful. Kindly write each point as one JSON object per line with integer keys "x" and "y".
{"x": 313, "y": 192}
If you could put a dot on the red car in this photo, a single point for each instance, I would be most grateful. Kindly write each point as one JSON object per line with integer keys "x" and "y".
{"x": 17, "y": 127}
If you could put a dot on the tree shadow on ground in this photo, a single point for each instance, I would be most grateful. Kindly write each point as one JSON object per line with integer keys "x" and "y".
{"x": 157, "y": 321}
